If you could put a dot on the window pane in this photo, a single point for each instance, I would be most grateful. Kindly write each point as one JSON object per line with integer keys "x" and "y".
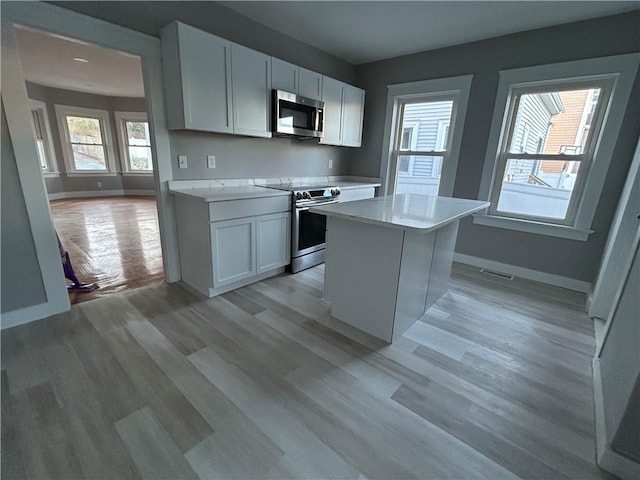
{"x": 140, "y": 158}
{"x": 89, "y": 157}
{"x": 430, "y": 119}
{"x": 138, "y": 133}
{"x": 540, "y": 188}
{"x": 84, "y": 130}
{"x": 418, "y": 174}
{"x": 42, "y": 156}
{"x": 554, "y": 121}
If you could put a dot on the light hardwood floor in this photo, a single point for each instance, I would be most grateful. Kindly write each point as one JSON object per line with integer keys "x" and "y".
{"x": 494, "y": 382}
{"x": 112, "y": 241}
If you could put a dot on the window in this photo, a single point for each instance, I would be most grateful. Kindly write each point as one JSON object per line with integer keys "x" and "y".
{"x": 552, "y": 136}
{"x": 422, "y": 147}
{"x": 42, "y": 135}
{"x": 86, "y": 139}
{"x": 135, "y": 142}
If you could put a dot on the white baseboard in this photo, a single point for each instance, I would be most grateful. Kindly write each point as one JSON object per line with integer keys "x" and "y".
{"x": 535, "y": 275}
{"x": 100, "y": 193}
{"x": 29, "y": 314}
{"x": 606, "y": 458}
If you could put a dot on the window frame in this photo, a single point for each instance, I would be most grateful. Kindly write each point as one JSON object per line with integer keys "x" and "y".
{"x": 457, "y": 88}
{"x": 620, "y": 70}
{"x": 62, "y": 111}
{"x": 125, "y": 164}
{"x": 50, "y": 152}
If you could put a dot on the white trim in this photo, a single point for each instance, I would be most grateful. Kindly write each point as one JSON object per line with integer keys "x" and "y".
{"x": 51, "y": 174}
{"x": 535, "y": 275}
{"x": 64, "y": 22}
{"x": 96, "y": 173}
{"x": 458, "y": 87}
{"x": 606, "y": 458}
{"x": 120, "y": 117}
{"x": 101, "y": 193}
{"x": 31, "y": 314}
{"x": 137, "y": 174}
{"x": 621, "y": 68}
{"x": 529, "y": 226}
{"x": 624, "y": 232}
{"x": 51, "y": 153}
{"x": 62, "y": 111}
{"x": 16, "y": 106}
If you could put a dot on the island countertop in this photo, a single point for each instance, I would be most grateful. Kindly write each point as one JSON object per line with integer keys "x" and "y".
{"x": 406, "y": 211}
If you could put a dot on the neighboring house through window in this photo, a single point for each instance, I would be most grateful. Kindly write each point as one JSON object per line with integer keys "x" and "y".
{"x": 552, "y": 138}
{"x": 86, "y": 139}
{"x": 421, "y": 147}
{"x": 134, "y": 140}
{"x": 42, "y": 134}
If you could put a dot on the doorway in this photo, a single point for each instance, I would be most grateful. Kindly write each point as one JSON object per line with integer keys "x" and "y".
{"x": 88, "y": 112}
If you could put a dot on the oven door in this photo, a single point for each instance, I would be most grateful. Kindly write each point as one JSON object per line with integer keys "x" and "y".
{"x": 309, "y": 231}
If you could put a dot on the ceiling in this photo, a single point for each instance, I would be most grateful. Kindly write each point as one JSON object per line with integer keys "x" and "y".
{"x": 366, "y": 31}
{"x": 355, "y": 31}
{"x": 48, "y": 60}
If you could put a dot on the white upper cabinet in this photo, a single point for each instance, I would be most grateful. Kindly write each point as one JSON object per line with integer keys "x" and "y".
{"x": 284, "y": 75}
{"x": 352, "y": 116}
{"x": 343, "y": 113}
{"x": 332, "y": 91}
{"x": 197, "y": 73}
{"x": 291, "y": 78}
{"x": 309, "y": 84}
{"x": 251, "y": 89}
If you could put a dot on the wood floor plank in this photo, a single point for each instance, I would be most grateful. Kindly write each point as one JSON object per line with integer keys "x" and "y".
{"x": 10, "y": 455}
{"x": 151, "y": 447}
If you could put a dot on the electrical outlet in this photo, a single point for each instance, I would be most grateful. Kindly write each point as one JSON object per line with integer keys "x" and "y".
{"x": 330, "y": 163}
{"x": 211, "y": 161}
{"x": 182, "y": 161}
{"x": 99, "y": 184}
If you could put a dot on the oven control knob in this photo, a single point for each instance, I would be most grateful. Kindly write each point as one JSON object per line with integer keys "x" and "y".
{"x": 306, "y": 195}
{"x": 336, "y": 191}
{"x": 298, "y": 195}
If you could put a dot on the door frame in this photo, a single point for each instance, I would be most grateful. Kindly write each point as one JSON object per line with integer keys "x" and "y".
{"x": 60, "y": 21}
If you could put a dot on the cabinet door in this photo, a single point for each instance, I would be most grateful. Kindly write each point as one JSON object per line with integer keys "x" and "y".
{"x": 251, "y": 86}
{"x": 273, "y": 238}
{"x": 234, "y": 250}
{"x": 284, "y": 76}
{"x": 332, "y": 91}
{"x": 310, "y": 84}
{"x": 352, "y": 116}
{"x": 206, "y": 77}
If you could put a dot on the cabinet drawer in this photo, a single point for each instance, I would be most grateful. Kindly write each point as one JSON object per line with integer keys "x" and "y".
{"x": 248, "y": 207}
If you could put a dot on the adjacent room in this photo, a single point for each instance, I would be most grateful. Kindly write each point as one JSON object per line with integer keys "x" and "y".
{"x": 331, "y": 240}
{"x": 94, "y": 145}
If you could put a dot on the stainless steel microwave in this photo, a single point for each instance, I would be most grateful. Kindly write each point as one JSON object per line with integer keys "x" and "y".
{"x": 296, "y": 115}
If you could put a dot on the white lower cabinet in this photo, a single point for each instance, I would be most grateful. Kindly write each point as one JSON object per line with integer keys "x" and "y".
{"x": 228, "y": 244}
{"x": 234, "y": 250}
{"x": 273, "y": 241}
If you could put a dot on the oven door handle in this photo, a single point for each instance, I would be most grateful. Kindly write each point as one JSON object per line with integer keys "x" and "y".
{"x": 303, "y": 209}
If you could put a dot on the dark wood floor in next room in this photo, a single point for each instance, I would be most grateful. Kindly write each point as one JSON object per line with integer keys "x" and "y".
{"x": 494, "y": 382}
{"x": 112, "y": 241}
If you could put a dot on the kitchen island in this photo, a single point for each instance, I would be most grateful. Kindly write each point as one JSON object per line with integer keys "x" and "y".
{"x": 388, "y": 259}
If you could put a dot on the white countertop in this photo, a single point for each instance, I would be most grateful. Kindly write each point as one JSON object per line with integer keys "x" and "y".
{"x": 407, "y": 211}
{"x": 351, "y": 184}
{"x": 221, "y": 194}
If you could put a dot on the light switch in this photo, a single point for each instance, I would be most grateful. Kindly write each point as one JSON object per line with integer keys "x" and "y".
{"x": 330, "y": 163}
{"x": 182, "y": 161}
{"x": 211, "y": 161}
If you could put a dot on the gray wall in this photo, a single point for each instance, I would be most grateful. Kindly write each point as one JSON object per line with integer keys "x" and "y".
{"x": 53, "y": 96}
{"x": 613, "y": 35}
{"x": 21, "y": 281}
{"x": 150, "y": 17}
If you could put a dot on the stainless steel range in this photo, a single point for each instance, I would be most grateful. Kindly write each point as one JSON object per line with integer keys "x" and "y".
{"x": 308, "y": 230}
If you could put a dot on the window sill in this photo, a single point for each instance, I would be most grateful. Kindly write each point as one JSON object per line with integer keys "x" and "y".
{"x": 100, "y": 173}
{"x": 137, "y": 174}
{"x": 551, "y": 230}
{"x": 51, "y": 174}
